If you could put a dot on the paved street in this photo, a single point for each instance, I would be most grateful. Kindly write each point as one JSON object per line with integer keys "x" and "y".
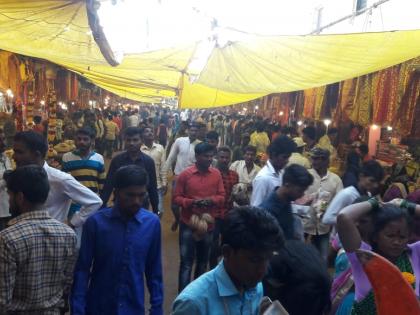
{"x": 170, "y": 254}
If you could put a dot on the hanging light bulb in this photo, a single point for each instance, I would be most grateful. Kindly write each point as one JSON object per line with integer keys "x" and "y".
{"x": 281, "y": 113}
{"x": 389, "y": 128}
{"x": 327, "y": 122}
{"x": 300, "y": 123}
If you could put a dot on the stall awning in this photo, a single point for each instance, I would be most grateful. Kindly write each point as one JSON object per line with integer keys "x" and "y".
{"x": 57, "y": 30}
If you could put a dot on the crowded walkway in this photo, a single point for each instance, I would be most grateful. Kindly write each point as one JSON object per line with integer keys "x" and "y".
{"x": 200, "y": 212}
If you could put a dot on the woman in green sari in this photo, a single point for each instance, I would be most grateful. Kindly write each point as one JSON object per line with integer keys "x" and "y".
{"x": 392, "y": 226}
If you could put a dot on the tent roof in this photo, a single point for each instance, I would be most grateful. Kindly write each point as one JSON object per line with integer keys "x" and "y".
{"x": 58, "y": 30}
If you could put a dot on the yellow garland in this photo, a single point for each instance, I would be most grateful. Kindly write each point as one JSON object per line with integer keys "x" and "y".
{"x": 409, "y": 277}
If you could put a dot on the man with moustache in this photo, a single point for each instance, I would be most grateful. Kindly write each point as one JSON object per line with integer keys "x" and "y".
{"x": 133, "y": 155}
{"x": 120, "y": 251}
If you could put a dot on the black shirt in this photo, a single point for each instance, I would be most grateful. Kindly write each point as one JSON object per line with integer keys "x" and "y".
{"x": 282, "y": 211}
{"x": 143, "y": 161}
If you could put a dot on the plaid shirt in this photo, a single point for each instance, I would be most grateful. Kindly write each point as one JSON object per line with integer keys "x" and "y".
{"x": 230, "y": 179}
{"x": 37, "y": 255}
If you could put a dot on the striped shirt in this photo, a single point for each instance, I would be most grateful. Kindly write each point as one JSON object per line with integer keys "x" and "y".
{"x": 90, "y": 171}
{"x": 37, "y": 256}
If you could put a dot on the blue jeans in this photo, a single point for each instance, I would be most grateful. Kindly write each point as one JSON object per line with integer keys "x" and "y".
{"x": 189, "y": 250}
{"x": 322, "y": 243}
{"x": 175, "y": 208}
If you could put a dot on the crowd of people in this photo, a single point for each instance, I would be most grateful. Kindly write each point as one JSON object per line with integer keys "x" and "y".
{"x": 260, "y": 216}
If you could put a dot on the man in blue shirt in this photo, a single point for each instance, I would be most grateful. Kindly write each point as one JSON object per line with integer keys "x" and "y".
{"x": 119, "y": 246}
{"x": 249, "y": 237}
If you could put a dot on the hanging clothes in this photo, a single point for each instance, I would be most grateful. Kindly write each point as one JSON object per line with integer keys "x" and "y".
{"x": 385, "y": 95}
{"x": 408, "y": 105}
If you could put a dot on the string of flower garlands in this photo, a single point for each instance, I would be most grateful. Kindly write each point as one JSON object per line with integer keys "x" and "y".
{"x": 30, "y": 109}
{"x": 199, "y": 224}
{"x": 52, "y": 116}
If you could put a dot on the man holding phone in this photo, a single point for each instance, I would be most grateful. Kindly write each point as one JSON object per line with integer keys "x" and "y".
{"x": 200, "y": 193}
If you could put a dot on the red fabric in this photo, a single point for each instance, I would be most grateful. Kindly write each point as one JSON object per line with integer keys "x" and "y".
{"x": 230, "y": 179}
{"x": 39, "y": 128}
{"x": 193, "y": 185}
{"x": 118, "y": 121}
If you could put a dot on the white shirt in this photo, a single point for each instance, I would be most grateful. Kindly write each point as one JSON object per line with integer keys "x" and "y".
{"x": 240, "y": 168}
{"x": 184, "y": 115}
{"x": 323, "y": 190}
{"x": 63, "y": 190}
{"x": 5, "y": 165}
{"x": 264, "y": 183}
{"x": 343, "y": 199}
{"x": 133, "y": 120}
{"x": 158, "y": 154}
{"x": 183, "y": 152}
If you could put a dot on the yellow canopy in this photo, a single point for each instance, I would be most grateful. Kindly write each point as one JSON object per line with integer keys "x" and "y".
{"x": 57, "y": 30}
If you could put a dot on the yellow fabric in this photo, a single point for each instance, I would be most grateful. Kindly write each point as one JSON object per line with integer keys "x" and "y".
{"x": 261, "y": 141}
{"x": 57, "y": 30}
{"x": 111, "y": 130}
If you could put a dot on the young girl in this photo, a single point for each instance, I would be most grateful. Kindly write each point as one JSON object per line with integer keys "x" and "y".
{"x": 389, "y": 238}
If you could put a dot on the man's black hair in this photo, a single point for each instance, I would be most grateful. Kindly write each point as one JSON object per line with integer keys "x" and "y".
{"x": 33, "y": 141}
{"x": 224, "y": 149}
{"x": 132, "y": 131}
{"x": 31, "y": 180}
{"x": 259, "y": 126}
{"x": 310, "y": 132}
{"x": 131, "y": 175}
{"x": 86, "y": 131}
{"x": 251, "y": 228}
{"x": 203, "y": 147}
{"x": 250, "y": 148}
{"x": 37, "y": 119}
{"x": 281, "y": 145}
{"x": 364, "y": 148}
{"x": 372, "y": 169}
{"x": 296, "y": 274}
{"x": 297, "y": 175}
{"x": 213, "y": 135}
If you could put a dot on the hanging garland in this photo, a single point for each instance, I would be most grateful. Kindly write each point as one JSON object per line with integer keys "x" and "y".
{"x": 52, "y": 117}
{"x": 30, "y": 109}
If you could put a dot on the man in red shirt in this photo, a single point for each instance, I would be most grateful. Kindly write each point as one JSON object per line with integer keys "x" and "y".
{"x": 230, "y": 178}
{"x": 117, "y": 119}
{"x": 200, "y": 193}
